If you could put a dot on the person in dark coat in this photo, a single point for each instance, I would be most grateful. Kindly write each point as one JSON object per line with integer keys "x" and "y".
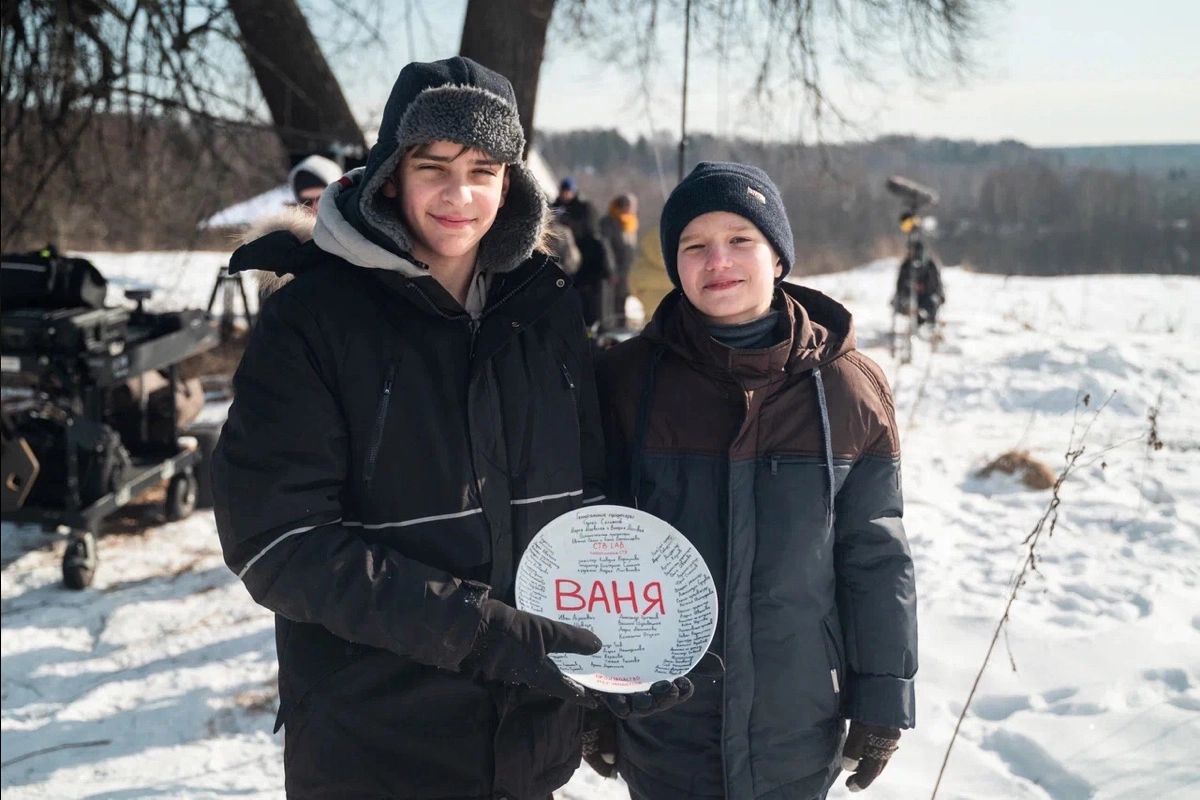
{"x": 569, "y": 206}
{"x": 619, "y": 228}
{"x": 919, "y": 275}
{"x": 744, "y": 416}
{"x": 412, "y": 407}
{"x": 596, "y": 266}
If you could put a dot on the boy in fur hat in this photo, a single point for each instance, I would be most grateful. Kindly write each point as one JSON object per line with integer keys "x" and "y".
{"x": 411, "y": 409}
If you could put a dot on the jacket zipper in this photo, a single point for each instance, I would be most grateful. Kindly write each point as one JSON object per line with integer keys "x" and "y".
{"x": 380, "y": 421}
{"x": 725, "y": 635}
{"x": 515, "y": 290}
{"x": 489, "y": 309}
{"x": 838, "y": 657}
{"x": 574, "y": 394}
{"x": 725, "y": 611}
{"x": 570, "y": 383}
{"x": 834, "y": 655}
{"x": 474, "y": 324}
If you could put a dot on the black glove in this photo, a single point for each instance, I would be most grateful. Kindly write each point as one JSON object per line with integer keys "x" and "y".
{"x": 600, "y": 736}
{"x": 512, "y": 646}
{"x": 600, "y": 746}
{"x": 660, "y": 697}
{"x": 866, "y": 752}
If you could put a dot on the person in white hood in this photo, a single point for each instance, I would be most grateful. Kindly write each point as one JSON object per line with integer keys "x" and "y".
{"x": 309, "y": 178}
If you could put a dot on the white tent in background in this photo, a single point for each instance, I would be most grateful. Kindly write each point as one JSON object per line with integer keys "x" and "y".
{"x": 239, "y": 216}
{"x": 542, "y": 173}
{"x": 275, "y": 200}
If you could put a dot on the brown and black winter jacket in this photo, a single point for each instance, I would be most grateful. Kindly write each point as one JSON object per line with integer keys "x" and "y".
{"x": 782, "y": 466}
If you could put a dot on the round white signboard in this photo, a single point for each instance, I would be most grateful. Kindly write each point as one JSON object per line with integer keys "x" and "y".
{"x": 631, "y": 579}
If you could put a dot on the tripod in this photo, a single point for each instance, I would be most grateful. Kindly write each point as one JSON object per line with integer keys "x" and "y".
{"x": 905, "y": 308}
{"x": 226, "y": 284}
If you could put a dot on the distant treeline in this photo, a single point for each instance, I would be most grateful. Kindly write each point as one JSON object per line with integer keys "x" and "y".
{"x": 1004, "y": 207}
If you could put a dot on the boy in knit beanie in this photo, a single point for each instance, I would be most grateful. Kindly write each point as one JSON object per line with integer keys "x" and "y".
{"x": 744, "y": 416}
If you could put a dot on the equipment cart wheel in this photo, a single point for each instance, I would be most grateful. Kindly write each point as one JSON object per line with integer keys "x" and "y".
{"x": 79, "y": 561}
{"x": 181, "y": 496}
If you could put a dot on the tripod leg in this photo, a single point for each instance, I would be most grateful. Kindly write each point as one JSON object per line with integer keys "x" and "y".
{"x": 227, "y": 310}
{"x": 212, "y": 298}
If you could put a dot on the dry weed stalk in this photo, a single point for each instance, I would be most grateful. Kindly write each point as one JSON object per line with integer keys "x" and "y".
{"x": 1153, "y": 445}
{"x": 1046, "y": 524}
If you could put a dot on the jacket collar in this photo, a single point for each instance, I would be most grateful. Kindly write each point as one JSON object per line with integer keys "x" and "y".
{"x": 520, "y": 296}
{"x": 819, "y": 330}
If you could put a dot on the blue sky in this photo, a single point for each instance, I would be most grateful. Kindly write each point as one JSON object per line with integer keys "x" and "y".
{"x": 1052, "y": 72}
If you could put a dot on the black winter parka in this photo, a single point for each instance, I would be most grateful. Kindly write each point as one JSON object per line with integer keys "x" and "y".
{"x": 383, "y": 449}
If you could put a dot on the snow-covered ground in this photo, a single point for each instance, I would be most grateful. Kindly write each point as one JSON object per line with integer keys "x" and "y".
{"x": 158, "y": 681}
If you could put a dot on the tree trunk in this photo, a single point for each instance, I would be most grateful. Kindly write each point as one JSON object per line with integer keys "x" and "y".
{"x": 509, "y": 36}
{"x": 310, "y": 112}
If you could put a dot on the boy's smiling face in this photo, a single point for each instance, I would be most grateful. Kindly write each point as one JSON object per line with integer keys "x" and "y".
{"x": 449, "y": 195}
{"x": 727, "y": 268}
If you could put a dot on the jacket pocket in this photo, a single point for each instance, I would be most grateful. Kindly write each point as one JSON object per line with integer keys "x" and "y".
{"x": 380, "y": 423}
{"x": 835, "y": 659}
{"x": 309, "y": 656}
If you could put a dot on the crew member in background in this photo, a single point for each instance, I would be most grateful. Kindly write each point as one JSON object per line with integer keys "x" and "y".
{"x": 309, "y": 178}
{"x": 919, "y": 274}
{"x": 619, "y": 228}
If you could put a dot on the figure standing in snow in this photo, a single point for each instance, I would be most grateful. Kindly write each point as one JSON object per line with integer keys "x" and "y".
{"x": 919, "y": 276}
{"x": 410, "y": 410}
{"x": 745, "y": 417}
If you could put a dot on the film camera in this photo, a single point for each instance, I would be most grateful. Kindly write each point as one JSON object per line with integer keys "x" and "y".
{"x": 93, "y": 404}
{"x": 915, "y": 197}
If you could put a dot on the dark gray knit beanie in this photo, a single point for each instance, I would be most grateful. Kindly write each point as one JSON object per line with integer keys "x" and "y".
{"x": 725, "y": 186}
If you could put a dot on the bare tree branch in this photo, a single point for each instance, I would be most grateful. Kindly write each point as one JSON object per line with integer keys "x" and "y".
{"x": 790, "y": 46}
{"x": 70, "y": 66}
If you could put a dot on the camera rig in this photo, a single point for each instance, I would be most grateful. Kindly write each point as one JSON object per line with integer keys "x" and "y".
{"x": 915, "y": 197}
{"x": 905, "y": 317}
{"x": 93, "y": 403}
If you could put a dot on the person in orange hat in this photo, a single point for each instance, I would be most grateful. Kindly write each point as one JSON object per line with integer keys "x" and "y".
{"x": 619, "y": 228}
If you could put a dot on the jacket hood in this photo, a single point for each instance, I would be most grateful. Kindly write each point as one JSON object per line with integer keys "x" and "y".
{"x": 453, "y": 100}
{"x": 336, "y": 234}
{"x": 268, "y": 247}
{"x": 316, "y": 170}
{"x": 820, "y": 330}
{"x": 277, "y": 247}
